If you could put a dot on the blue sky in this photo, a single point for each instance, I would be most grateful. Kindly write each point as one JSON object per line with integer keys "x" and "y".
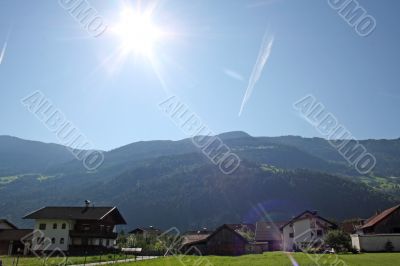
{"x": 207, "y": 63}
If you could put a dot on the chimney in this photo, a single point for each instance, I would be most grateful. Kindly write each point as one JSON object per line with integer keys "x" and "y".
{"x": 87, "y": 203}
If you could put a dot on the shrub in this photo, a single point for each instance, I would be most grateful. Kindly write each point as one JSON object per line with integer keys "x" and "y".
{"x": 338, "y": 240}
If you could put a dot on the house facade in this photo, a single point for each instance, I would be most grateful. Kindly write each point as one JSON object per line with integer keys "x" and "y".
{"x": 10, "y": 238}
{"x": 146, "y": 232}
{"x": 307, "y": 230}
{"x": 226, "y": 240}
{"x": 75, "y": 229}
{"x": 268, "y": 235}
{"x": 386, "y": 222}
{"x": 379, "y": 230}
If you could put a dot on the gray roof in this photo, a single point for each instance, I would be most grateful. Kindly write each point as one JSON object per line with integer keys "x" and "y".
{"x": 150, "y": 229}
{"x": 77, "y": 213}
{"x": 195, "y": 236}
{"x": 8, "y": 222}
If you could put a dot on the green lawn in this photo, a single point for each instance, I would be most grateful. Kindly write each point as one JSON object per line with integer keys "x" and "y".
{"x": 33, "y": 261}
{"x": 273, "y": 258}
{"x": 279, "y": 258}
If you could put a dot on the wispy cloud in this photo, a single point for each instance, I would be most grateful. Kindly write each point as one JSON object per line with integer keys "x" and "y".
{"x": 263, "y": 56}
{"x": 233, "y": 74}
{"x": 3, "y": 50}
{"x": 260, "y": 3}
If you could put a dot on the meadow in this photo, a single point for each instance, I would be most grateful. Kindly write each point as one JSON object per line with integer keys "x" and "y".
{"x": 35, "y": 261}
{"x": 279, "y": 259}
{"x": 272, "y": 258}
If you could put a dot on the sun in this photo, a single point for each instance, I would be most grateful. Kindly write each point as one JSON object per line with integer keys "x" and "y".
{"x": 137, "y": 32}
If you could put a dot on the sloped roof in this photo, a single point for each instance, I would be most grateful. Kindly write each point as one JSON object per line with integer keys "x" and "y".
{"x": 76, "y": 213}
{"x": 9, "y": 223}
{"x": 205, "y": 238}
{"x": 312, "y": 213}
{"x": 146, "y": 229}
{"x": 244, "y": 230}
{"x": 243, "y": 227}
{"x": 226, "y": 226}
{"x": 380, "y": 217}
{"x": 267, "y": 231}
{"x": 195, "y": 236}
{"x": 15, "y": 234}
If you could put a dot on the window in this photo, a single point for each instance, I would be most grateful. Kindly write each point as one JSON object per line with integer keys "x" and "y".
{"x": 53, "y": 240}
{"x": 42, "y": 226}
{"x": 54, "y": 226}
{"x": 86, "y": 227}
{"x": 63, "y": 226}
{"x": 319, "y": 232}
{"x": 291, "y": 235}
{"x": 62, "y": 240}
{"x": 107, "y": 242}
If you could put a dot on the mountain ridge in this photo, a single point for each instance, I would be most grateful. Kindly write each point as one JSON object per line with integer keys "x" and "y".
{"x": 171, "y": 183}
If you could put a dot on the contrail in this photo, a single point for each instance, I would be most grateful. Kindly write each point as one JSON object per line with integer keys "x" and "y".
{"x": 233, "y": 74}
{"x": 3, "y": 50}
{"x": 265, "y": 52}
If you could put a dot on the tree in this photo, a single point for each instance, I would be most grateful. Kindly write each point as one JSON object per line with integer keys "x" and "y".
{"x": 338, "y": 240}
{"x": 121, "y": 239}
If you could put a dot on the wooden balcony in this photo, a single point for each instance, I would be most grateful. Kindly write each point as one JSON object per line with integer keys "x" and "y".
{"x": 93, "y": 234}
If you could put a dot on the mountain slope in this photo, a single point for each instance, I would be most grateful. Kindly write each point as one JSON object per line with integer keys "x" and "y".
{"x": 188, "y": 192}
{"x": 171, "y": 183}
{"x": 23, "y": 156}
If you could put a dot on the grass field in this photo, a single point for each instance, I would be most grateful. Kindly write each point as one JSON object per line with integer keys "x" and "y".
{"x": 273, "y": 258}
{"x": 34, "y": 261}
{"x": 279, "y": 259}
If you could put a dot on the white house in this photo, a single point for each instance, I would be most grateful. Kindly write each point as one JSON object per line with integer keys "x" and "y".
{"x": 304, "y": 231}
{"x": 75, "y": 229}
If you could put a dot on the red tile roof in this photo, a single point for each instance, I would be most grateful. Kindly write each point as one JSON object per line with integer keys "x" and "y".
{"x": 380, "y": 217}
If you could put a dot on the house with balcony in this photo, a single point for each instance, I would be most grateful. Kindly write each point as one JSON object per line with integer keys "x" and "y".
{"x": 86, "y": 229}
{"x": 306, "y": 230}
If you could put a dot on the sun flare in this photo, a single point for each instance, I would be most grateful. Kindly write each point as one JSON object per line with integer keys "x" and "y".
{"x": 138, "y": 33}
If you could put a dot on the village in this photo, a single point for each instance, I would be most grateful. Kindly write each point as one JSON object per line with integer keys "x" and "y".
{"x": 86, "y": 229}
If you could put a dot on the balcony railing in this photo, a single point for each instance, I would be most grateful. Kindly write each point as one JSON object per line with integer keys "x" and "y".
{"x": 96, "y": 234}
